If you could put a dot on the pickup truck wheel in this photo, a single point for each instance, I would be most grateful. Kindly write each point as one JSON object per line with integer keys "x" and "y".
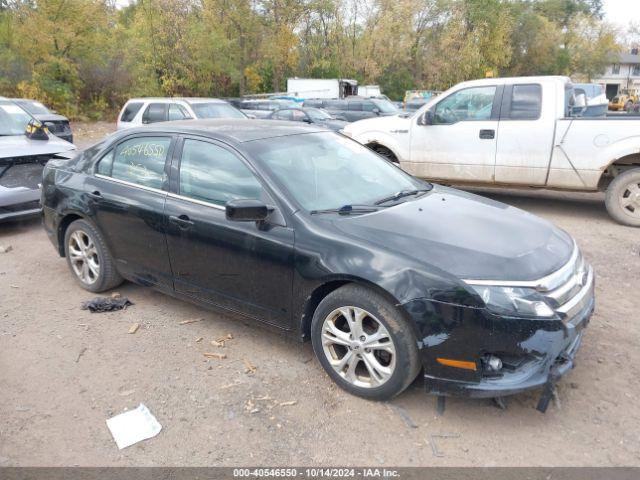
{"x": 384, "y": 152}
{"x": 364, "y": 344}
{"x": 89, "y": 259}
{"x": 623, "y": 198}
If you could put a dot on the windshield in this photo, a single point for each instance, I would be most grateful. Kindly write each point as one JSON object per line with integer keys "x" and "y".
{"x": 33, "y": 107}
{"x": 385, "y": 106}
{"x": 13, "y": 119}
{"x": 317, "y": 114}
{"x": 216, "y": 110}
{"x": 327, "y": 171}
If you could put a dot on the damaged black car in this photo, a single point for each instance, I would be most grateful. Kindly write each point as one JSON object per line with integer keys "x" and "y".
{"x": 25, "y": 147}
{"x": 314, "y": 234}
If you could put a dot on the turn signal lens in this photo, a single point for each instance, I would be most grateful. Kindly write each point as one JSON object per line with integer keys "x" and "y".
{"x": 457, "y": 363}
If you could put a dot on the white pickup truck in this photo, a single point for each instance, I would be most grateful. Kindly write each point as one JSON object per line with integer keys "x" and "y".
{"x": 521, "y": 132}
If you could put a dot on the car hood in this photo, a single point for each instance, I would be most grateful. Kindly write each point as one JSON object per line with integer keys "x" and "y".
{"x": 466, "y": 235}
{"x": 21, "y": 146}
{"x": 382, "y": 123}
{"x": 51, "y": 117}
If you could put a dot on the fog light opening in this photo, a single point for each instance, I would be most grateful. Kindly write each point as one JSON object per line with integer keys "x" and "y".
{"x": 492, "y": 363}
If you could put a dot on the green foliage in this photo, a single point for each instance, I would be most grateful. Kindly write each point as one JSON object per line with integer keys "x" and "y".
{"x": 85, "y": 57}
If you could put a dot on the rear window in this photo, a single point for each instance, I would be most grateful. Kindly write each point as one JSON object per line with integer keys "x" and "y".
{"x": 526, "y": 102}
{"x": 130, "y": 111}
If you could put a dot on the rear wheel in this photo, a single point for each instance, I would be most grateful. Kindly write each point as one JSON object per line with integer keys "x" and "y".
{"x": 364, "y": 344}
{"x": 623, "y": 198}
{"x": 89, "y": 259}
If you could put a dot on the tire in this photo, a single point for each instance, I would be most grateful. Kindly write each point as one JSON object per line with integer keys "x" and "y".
{"x": 84, "y": 245}
{"x": 384, "y": 152}
{"x": 392, "y": 372}
{"x": 623, "y": 198}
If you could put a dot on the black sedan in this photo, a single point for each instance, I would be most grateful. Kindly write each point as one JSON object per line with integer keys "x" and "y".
{"x": 57, "y": 124}
{"x": 314, "y": 234}
{"x": 309, "y": 115}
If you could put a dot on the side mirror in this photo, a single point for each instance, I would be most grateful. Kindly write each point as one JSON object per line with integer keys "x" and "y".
{"x": 36, "y": 130}
{"x": 243, "y": 210}
{"x": 307, "y": 120}
{"x": 376, "y": 110}
{"x": 426, "y": 118}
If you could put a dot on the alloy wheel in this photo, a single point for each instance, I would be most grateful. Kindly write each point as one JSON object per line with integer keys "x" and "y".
{"x": 358, "y": 347}
{"x": 630, "y": 199}
{"x": 84, "y": 257}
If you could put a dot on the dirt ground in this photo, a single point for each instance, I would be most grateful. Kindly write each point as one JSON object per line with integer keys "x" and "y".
{"x": 64, "y": 371}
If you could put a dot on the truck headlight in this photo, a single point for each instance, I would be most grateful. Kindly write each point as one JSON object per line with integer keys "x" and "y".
{"x": 514, "y": 301}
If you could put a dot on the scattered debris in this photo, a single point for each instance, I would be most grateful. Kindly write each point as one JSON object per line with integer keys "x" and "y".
{"x": 199, "y": 339}
{"x": 289, "y": 403}
{"x": 404, "y": 415}
{"x": 126, "y": 393}
{"x": 6, "y": 249}
{"x": 556, "y": 399}
{"x": 84, "y": 349}
{"x": 440, "y": 404}
{"x": 115, "y": 295}
{"x": 134, "y": 328}
{"x": 250, "y": 368}
{"x": 14, "y": 286}
{"x": 106, "y": 304}
{"x": 133, "y": 426}
{"x": 220, "y": 342}
{"x": 434, "y": 446}
{"x": 193, "y": 320}
{"x": 217, "y": 356}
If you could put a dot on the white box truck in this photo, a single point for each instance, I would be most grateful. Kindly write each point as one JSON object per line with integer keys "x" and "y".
{"x": 321, "y": 87}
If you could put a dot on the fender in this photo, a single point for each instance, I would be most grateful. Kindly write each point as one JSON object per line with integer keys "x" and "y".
{"x": 399, "y": 146}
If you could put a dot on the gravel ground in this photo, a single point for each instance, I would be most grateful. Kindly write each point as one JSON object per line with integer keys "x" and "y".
{"x": 64, "y": 371}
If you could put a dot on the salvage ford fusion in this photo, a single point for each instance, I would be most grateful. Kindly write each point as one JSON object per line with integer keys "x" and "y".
{"x": 314, "y": 234}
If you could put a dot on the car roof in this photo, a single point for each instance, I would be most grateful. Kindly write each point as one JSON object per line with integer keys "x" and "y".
{"x": 174, "y": 99}
{"x": 230, "y": 130}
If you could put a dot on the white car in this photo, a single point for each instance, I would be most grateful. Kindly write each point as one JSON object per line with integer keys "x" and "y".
{"x": 142, "y": 111}
{"x": 514, "y": 132}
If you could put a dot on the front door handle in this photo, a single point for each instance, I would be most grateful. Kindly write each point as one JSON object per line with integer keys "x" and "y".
{"x": 96, "y": 195}
{"x": 183, "y": 221}
{"x": 487, "y": 134}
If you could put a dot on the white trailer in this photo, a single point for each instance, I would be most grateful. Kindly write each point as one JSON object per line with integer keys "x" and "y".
{"x": 321, "y": 87}
{"x": 369, "y": 91}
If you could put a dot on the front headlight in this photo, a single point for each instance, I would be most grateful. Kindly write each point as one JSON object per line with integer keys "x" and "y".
{"x": 514, "y": 301}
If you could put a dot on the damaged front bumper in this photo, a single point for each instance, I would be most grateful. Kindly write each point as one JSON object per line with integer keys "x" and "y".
{"x": 20, "y": 192}
{"x": 534, "y": 353}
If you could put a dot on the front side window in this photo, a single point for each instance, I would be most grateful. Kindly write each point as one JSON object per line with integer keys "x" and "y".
{"x": 298, "y": 116}
{"x": 355, "y": 106}
{"x": 636, "y": 70}
{"x": 130, "y": 111}
{"x": 385, "y": 106}
{"x": 155, "y": 112}
{"x": 526, "y": 102}
{"x": 473, "y": 103}
{"x": 139, "y": 160}
{"x": 318, "y": 170}
{"x": 215, "y": 175}
{"x": 615, "y": 69}
{"x": 13, "y": 119}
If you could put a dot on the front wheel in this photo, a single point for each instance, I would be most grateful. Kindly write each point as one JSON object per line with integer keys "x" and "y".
{"x": 623, "y": 198}
{"x": 364, "y": 344}
{"x": 384, "y": 152}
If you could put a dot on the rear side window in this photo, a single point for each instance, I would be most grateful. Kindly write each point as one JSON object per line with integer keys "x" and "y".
{"x": 355, "y": 106}
{"x": 368, "y": 106}
{"x": 141, "y": 161}
{"x": 155, "y": 112}
{"x": 215, "y": 175}
{"x": 526, "y": 101}
{"x": 178, "y": 112}
{"x": 335, "y": 105}
{"x": 283, "y": 115}
{"x": 130, "y": 111}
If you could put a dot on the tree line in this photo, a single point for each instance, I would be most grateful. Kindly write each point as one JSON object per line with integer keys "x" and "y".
{"x": 86, "y": 57}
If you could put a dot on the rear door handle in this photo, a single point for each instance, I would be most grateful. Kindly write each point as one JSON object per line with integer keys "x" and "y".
{"x": 183, "y": 221}
{"x": 487, "y": 134}
{"x": 96, "y": 195}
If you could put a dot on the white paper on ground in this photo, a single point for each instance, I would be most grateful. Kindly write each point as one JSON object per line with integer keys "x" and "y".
{"x": 133, "y": 426}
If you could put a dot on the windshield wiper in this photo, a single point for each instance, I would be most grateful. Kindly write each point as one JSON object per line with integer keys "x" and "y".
{"x": 348, "y": 209}
{"x": 402, "y": 194}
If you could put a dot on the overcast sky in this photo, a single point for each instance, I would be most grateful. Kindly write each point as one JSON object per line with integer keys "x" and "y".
{"x": 621, "y": 12}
